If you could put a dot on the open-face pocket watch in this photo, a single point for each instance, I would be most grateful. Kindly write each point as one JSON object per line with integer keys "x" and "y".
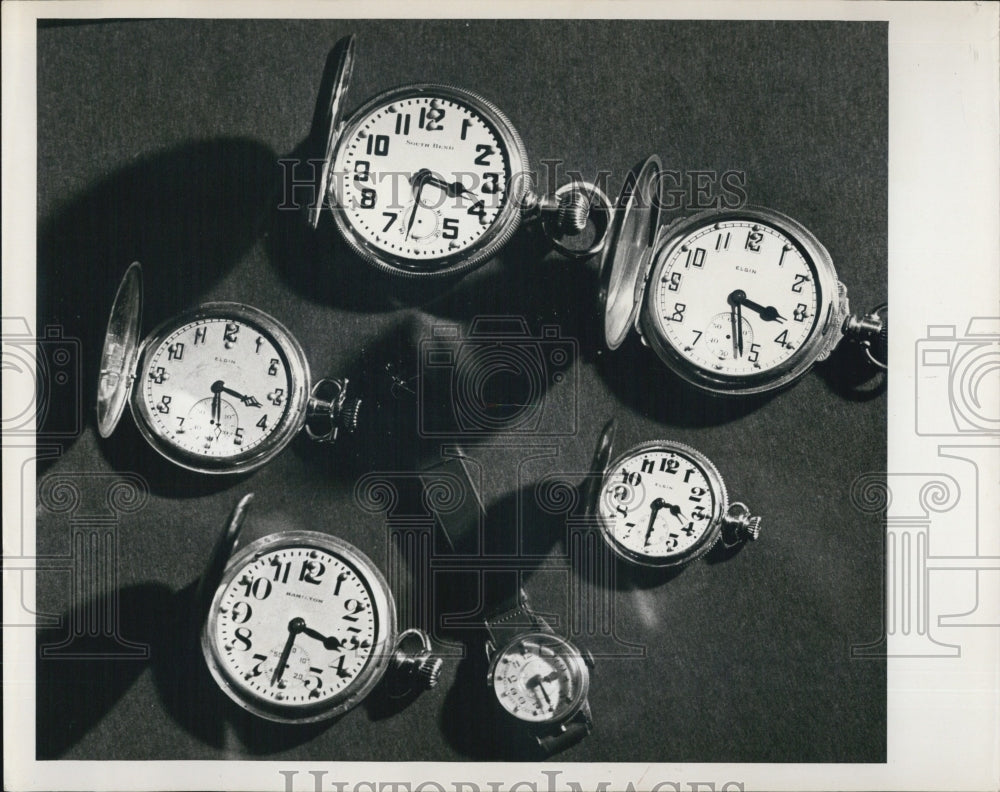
{"x": 301, "y": 626}
{"x": 221, "y": 388}
{"x": 739, "y": 301}
{"x": 432, "y": 180}
{"x": 663, "y": 503}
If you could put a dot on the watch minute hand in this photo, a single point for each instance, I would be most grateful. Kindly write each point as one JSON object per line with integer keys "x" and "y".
{"x": 654, "y": 507}
{"x": 295, "y": 626}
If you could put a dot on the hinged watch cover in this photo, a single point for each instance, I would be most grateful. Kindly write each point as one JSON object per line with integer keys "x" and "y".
{"x": 344, "y": 54}
{"x": 121, "y": 349}
{"x": 627, "y": 254}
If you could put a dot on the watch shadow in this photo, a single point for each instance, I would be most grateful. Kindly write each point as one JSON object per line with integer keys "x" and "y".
{"x": 81, "y": 677}
{"x": 850, "y": 375}
{"x": 128, "y": 450}
{"x": 643, "y": 384}
{"x": 188, "y": 213}
{"x": 82, "y": 673}
{"x": 472, "y": 722}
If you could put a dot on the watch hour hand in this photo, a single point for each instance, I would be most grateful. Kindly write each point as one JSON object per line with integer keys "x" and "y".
{"x": 766, "y": 312}
{"x": 452, "y": 190}
{"x": 219, "y": 387}
{"x": 675, "y": 510}
{"x": 329, "y": 642}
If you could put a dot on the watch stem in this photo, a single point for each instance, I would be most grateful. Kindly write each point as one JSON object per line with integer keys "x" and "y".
{"x": 751, "y": 531}
{"x": 738, "y": 525}
{"x": 871, "y": 331}
{"x": 415, "y": 668}
{"x": 573, "y": 211}
{"x": 428, "y": 671}
{"x": 347, "y": 419}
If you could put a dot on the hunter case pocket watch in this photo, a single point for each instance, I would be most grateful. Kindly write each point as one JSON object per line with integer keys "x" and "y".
{"x": 662, "y": 503}
{"x": 301, "y": 626}
{"x": 739, "y": 301}
{"x": 432, "y": 180}
{"x": 221, "y": 388}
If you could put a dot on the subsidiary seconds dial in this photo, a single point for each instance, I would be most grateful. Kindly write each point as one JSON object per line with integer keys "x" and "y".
{"x": 737, "y": 297}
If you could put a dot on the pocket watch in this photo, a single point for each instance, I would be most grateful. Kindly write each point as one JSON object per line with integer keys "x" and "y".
{"x": 301, "y": 626}
{"x": 663, "y": 503}
{"x": 221, "y": 388}
{"x": 430, "y": 180}
{"x": 739, "y": 301}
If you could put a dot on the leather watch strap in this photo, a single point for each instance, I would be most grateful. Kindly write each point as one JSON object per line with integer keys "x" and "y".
{"x": 567, "y": 734}
{"x": 512, "y": 619}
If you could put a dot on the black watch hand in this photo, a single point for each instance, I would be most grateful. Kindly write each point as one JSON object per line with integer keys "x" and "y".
{"x": 654, "y": 507}
{"x": 417, "y": 182}
{"x": 452, "y": 190}
{"x": 767, "y": 312}
{"x": 219, "y": 387}
{"x": 329, "y": 642}
{"x": 736, "y": 321}
{"x": 675, "y": 510}
{"x": 216, "y": 407}
{"x": 295, "y": 626}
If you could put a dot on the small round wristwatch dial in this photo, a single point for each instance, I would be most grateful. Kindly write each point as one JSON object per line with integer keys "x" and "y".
{"x": 535, "y": 679}
{"x": 736, "y": 297}
{"x": 422, "y": 176}
{"x": 660, "y": 504}
{"x": 294, "y": 627}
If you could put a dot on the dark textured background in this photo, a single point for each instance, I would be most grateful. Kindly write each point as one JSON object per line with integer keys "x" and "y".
{"x": 157, "y": 141}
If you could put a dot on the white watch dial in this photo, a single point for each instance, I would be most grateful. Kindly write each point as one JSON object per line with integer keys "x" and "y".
{"x": 217, "y": 387}
{"x": 658, "y": 503}
{"x": 422, "y": 177}
{"x": 295, "y": 626}
{"x": 535, "y": 680}
{"x": 735, "y": 298}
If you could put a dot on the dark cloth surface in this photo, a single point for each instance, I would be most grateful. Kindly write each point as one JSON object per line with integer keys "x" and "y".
{"x": 158, "y": 141}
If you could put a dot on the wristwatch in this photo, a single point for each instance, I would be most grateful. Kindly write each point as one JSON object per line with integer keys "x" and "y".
{"x": 539, "y": 680}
